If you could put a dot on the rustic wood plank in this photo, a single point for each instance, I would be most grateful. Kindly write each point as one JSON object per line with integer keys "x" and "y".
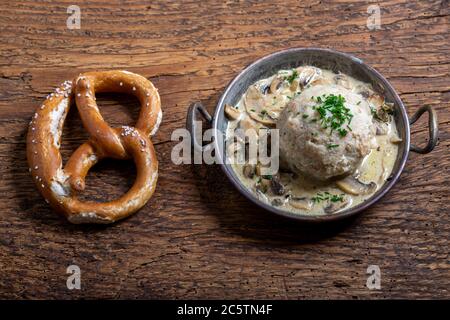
{"x": 197, "y": 237}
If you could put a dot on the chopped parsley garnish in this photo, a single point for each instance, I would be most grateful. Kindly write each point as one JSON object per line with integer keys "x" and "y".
{"x": 305, "y": 116}
{"x": 328, "y": 196}
{"x": 292, "y": 77}
{"x": 331, "y": 146}
{"x": 263, "y": 113}
{"x": 342, "y": 132}
{"x": 333, "y": 113}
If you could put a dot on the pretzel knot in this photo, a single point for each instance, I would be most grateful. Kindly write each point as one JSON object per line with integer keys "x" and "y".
{"x": 59, "y": 185}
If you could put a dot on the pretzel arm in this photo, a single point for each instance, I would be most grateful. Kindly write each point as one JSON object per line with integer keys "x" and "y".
{"x": 79, "y": 163}
{"x": 142, "y": 190}
{"x": 89, "y": 83}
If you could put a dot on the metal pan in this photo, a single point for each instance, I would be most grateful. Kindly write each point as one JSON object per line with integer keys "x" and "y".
{"x": 326, "y": 59}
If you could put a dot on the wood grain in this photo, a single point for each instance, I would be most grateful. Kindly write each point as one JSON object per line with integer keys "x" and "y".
{"x": 198, "y": 237}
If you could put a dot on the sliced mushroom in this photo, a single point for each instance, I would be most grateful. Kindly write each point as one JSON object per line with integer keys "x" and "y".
{"x": 375, "y": 101}
{"x": 231, "y": 112}
{"x": 258, "y": 169}
{"x": 248, "y": 170}
{"x": 263, "y": 185}
{"x": 382, "y": 115}
{"x": 276, "y": 186}
{"x": 342, "y": 80}
{"x": 388, "y": 107}
{"x": 356, "y": 187}
{"x": 386, "y": 111}
{"x": 258, "y": 105}
{"x": 364, "y": 91}
{"x": 334, "y": 206}
{"x": 395, "y": 139}
{"x": 320, "y": 81}
{"x": 275, "y": 84}
{"x": 278, "y": 202}
{"x": 381, "y": 110}
{"x": 301, "y": 203}
{"x": 307, "y": 75}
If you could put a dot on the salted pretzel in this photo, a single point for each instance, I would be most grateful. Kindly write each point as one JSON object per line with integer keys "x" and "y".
{"x": 59, "y": 185}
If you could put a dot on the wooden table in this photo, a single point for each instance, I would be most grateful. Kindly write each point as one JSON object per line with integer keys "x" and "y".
{"x": 198, "y": 237}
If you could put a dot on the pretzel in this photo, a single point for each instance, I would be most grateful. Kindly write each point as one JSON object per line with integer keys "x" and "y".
{"x": 59, "y": 185}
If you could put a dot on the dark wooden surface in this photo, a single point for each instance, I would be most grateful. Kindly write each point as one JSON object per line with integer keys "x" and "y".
{"x": 197, "y": 237}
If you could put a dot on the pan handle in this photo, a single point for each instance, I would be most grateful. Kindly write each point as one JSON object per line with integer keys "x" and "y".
{"x": 195, "y": 110}
{"x": 432, "y": 129}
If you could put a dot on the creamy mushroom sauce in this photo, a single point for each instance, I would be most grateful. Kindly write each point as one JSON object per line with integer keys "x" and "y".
{"x": 300, "y": 193}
